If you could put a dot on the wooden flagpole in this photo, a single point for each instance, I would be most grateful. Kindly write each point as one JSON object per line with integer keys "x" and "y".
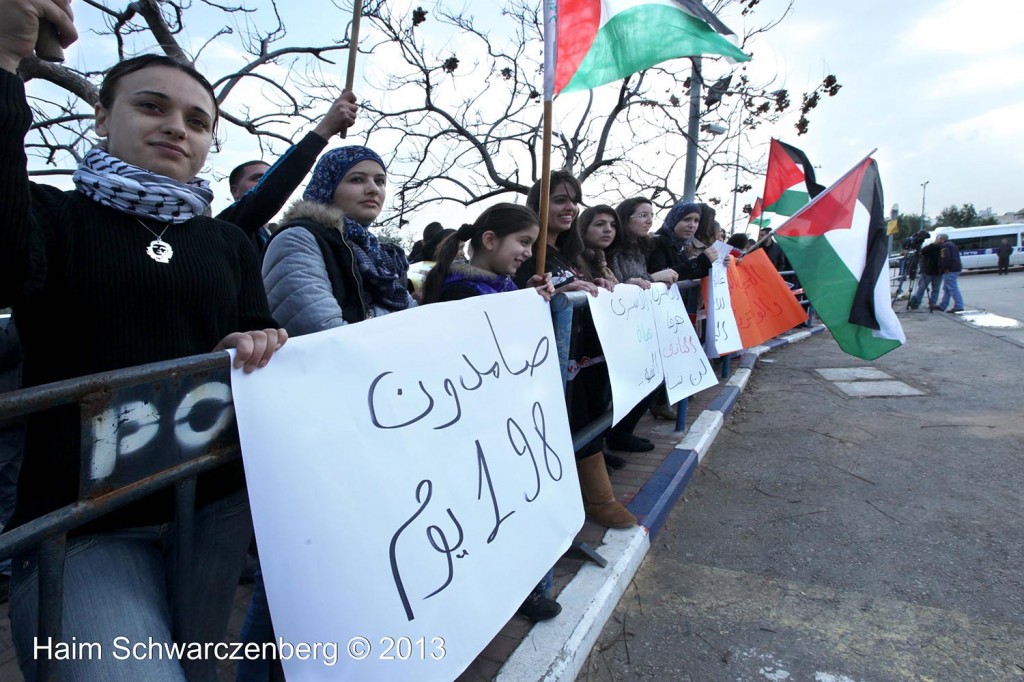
{"x": 545, "y": 190}
{"x": 353, "y": 50}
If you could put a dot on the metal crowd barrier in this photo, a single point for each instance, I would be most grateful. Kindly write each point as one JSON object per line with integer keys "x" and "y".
{"x": 179, "y": 420}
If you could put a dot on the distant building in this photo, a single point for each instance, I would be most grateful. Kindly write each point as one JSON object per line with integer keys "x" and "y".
{"x": 1011, "y": 217}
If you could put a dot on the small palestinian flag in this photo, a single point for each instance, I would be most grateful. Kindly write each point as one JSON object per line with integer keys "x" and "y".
{"x": 588, "y": 43}
{"x": 838, "y": 247}
{"x": 788, "y": 185}
{"x": 755, "y": 215}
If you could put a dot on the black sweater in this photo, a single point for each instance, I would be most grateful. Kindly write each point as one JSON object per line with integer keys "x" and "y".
{"x": 663, "y": 254}
{"x": 88, "y": 299}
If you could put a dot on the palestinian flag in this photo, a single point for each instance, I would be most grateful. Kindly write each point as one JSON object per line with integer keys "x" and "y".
{"x": 588, "y": 43}
{"x": 838, "y": 247}
{"x": 755, "y": 215}
{"x": 788, "y": 185}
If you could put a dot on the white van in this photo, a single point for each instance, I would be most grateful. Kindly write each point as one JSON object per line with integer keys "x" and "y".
{"x": 978, "y": 244}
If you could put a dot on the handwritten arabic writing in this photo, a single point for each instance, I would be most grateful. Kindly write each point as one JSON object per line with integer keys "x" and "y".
{"x": 487, "y": 493}
{"x": 686, "y": 367}
{"x": 624, "y": 320}
{"x": 390, "y": 394}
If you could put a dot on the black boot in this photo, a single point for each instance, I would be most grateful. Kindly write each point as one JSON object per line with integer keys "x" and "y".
{"x": 538, "y": 606}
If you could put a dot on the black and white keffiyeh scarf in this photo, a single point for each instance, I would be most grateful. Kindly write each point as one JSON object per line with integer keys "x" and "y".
{"x": 112, "y": 182}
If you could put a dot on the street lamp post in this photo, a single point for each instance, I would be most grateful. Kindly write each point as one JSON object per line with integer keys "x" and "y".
{"x": 924, "y": 188}
{"x": 690, "y": 173}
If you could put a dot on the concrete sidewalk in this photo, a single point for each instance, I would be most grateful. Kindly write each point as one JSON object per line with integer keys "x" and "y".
{"x": 651, "y": 482}
{"x": 856, "y": 521}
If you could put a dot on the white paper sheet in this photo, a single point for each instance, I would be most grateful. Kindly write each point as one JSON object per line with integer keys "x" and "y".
{"x": 411, "y": 478}
{"x": 687, "y": 368}
{"x": 624, "y": 319}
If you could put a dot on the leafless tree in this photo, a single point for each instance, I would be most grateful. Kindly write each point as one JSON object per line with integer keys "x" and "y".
{"x": 463, "y": 109}
{"x": 59, "y": 136}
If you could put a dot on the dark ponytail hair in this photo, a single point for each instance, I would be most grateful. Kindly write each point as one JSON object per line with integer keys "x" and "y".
{"x": 624, "y": 241}
{"x": 108, "y": 90}
{"x": 501, "y": 219}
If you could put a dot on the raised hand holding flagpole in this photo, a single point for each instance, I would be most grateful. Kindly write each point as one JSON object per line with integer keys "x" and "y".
{"x": 353, "y": 50}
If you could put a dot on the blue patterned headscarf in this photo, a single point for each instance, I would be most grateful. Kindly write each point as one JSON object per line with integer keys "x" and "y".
{"x": 678, "y": 212}
{"x": 331, "y": 168}
{"x": 383, "y": 267}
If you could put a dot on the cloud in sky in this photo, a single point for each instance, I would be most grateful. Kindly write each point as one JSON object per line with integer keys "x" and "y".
{"x": 935, "y": 86}
{"x": 967, "y": 27}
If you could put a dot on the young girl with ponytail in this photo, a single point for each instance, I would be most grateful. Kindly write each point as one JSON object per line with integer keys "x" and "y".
{"x": 500, "y": 241}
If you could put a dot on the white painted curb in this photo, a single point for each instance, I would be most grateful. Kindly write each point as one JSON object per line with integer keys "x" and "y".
{"x": 556, "y": 650}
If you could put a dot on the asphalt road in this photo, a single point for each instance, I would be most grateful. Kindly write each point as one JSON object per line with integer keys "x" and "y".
{"x": 834, "y": 538}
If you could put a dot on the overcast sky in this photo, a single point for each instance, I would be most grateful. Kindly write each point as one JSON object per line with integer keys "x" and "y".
{"x": 935, "y": 85}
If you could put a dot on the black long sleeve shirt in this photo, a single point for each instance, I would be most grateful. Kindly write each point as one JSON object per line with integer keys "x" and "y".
{"x": 89, "y": 299}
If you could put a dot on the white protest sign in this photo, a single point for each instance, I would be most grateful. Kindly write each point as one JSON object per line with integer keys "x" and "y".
{"x": 723, "y": 335}
{"x": 624, "y": 320}
{"x": 412, "y": 478}
{"x": 687, "y": 368}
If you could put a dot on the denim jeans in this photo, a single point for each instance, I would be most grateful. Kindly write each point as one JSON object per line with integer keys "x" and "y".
{"x": 923, "y": 282}
{"x": 259, "y": 628}
{"x": 118, "y": 584}
{"x": 12, "y": 445}
{"x": 951, "y": 287}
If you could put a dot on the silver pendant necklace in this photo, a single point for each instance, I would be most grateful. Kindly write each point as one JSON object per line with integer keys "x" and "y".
{"x": 158, "y": 249}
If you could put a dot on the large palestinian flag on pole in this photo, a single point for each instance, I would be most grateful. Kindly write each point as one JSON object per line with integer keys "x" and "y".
{"x": 838, "y": 247}
{"x": 588, "y": 43}
{"x": 788, "y": 185}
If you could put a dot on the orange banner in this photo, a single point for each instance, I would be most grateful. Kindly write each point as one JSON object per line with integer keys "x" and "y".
{"x": 762, "y": 302}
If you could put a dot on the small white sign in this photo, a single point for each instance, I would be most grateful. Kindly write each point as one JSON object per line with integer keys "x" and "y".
{"x": 687, "y": 368}
{"x": 624, "y": 319}
{"x": 723, "y": 335}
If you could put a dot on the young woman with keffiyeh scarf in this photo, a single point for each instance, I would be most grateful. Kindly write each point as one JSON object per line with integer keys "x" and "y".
{"x": 323, "y": 267}
{"x": 123, "y": 270}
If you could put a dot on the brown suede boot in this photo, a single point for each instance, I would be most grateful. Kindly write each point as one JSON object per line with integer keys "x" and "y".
{"x": 599, "y": 501}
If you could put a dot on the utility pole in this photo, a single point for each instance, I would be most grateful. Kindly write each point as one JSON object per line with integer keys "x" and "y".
{"x": 692, "y": 130}
{"x": 736, "y": 177}
{"x": 924, "y": 188}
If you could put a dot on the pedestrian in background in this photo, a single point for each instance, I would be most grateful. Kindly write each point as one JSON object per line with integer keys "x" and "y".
{"x": 930, "y": 277}
{"x": 1003, "y": 253}
{"x": 949, "y": 265}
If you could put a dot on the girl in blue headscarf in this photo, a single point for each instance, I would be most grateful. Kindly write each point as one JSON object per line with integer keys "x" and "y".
{"x": 671, "y": 244}
{"x": 324, "y": 268}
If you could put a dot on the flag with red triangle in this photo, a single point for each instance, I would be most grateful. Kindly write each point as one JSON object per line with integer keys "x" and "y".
{"x": 755, "y": 214}
{"x": 838, "y": 247}
{"x": 788, "y": 185}
{"x": 588, "y": 43}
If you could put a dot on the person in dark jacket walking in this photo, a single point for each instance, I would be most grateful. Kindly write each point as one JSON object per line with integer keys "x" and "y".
{"x": 1003, "y": 253}
{"x": 929, "y": 277}
{"x": 949, "y": 265}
